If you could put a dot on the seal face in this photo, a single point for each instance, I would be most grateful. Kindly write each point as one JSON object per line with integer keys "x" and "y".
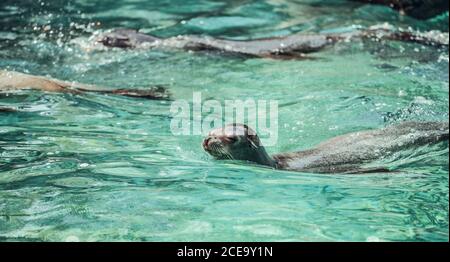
{"x": 229, "y": 142}
{"x": 237, "y": 142}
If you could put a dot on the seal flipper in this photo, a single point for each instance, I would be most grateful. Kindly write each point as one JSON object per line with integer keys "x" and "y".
{"x": 369, "y": 170}
{"x": 154, "y": 93}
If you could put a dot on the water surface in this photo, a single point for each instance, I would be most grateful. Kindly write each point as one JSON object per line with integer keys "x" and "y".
{"x": 107, "y": 168}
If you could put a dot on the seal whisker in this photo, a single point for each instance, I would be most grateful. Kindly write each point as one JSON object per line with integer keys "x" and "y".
{"x": 227, "y": 154}
{"x": 252, "y": 144}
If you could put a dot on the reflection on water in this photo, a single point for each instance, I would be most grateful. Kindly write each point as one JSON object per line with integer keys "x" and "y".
{"x": 99, "y": 168}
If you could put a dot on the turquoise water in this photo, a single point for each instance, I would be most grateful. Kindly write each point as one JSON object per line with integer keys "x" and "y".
{"x": 107, "y": 168}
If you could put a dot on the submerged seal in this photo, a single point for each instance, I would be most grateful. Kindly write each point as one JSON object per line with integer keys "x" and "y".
{"x": 343, "y": 154}
{"x": 10, "y": 80}
{"x": 289, "y": 47}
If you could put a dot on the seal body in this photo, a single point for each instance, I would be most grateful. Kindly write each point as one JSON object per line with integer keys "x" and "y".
{"x": 295, "y": 46}
{"x": 10, "y": 81}
{"x": 268, "y": 47}
{"x": 289, "y": 46}
{"x": 349, "y": 153}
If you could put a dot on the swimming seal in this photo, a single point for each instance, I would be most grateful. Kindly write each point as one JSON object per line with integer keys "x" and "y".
{"x": 343, "y": 154}
{"x": 10, "y": 80}
{"x": 290, "y": 46}
{"x": 295, "y": 46}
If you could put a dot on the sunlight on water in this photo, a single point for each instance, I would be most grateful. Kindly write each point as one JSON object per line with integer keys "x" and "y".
{"x": 107, "y": 168}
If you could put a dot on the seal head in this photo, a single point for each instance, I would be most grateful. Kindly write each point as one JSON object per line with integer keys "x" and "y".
{"x": 126, "y": 38}
{"x": 237, "y": 142}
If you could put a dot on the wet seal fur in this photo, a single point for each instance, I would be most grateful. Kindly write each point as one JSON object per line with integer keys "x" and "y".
{"x": 347, "y": 154}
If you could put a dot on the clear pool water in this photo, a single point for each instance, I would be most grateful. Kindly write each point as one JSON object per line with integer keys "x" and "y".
{"x": 107, "y": 168}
